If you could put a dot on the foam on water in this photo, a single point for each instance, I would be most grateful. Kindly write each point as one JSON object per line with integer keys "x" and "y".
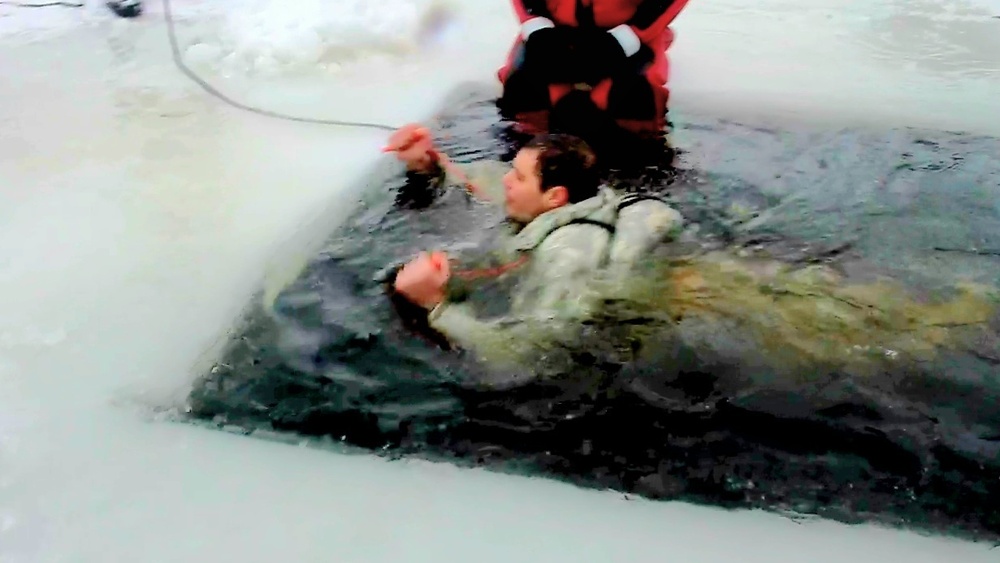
{"x": 138, "y": 215}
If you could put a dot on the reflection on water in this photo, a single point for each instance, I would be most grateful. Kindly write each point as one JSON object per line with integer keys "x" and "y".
{"x": 807, "y": 345}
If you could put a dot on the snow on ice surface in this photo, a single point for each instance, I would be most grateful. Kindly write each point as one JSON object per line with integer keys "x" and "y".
{"x": 137, "y": 214}
{"x": 916, "y": 62}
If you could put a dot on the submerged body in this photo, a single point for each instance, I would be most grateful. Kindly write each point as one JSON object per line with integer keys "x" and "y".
{"x": 613, "y": 253}
{"x": 797, "y": 319}
{"x": 547, "y": 267}
{"x": 620, "y": 255}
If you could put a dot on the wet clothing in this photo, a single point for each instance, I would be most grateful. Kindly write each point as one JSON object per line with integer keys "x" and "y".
{"x": 615, "y": 50}
{"x": 546, "y": 269}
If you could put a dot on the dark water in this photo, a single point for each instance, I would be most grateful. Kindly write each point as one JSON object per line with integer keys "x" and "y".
{"x": 697, "y": 413}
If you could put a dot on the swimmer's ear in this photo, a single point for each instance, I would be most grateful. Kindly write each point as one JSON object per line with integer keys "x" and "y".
{"x": 556, "y": 196}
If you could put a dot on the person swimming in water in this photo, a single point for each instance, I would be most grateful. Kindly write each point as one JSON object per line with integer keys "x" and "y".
{"x": 572, "y": 243}
{"x": 564, "y": 228}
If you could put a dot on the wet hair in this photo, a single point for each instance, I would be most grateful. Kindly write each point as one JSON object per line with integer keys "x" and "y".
{"x": 566, "y": 160}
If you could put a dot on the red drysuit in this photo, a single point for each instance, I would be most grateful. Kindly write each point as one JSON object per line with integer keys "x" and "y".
{"x": 632, "y": 22}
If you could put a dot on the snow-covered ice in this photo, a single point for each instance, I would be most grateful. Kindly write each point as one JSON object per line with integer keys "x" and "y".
{"x": 137, "y": 214}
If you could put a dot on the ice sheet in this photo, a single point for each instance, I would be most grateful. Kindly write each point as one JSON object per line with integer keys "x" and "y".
{"x": 138, "y": 214}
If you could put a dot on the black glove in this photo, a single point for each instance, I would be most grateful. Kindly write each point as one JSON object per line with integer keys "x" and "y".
{"x": 600, "y": 55}
{"x": 550, "y": 54}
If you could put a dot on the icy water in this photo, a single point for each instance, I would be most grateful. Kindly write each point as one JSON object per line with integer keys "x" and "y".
{"x": 139, "y": 215}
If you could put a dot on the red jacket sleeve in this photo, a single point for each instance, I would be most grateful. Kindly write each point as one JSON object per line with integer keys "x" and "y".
{"x": 527, "y": 9}
{"x": 653, "y": 17}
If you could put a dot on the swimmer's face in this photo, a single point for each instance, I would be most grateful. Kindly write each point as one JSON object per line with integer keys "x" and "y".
{"x": 523, "y": 185}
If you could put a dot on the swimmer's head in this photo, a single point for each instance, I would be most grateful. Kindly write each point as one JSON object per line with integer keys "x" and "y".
{"x": 552, "y": 170}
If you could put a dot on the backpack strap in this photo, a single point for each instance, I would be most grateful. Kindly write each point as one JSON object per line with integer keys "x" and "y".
{"x": 586, "y": 221}
{"x": 629, "y": 199}
{"x": 641, "y": 229}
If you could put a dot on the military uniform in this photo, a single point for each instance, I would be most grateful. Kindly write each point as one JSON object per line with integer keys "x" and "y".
{"x": 547, "y": 268}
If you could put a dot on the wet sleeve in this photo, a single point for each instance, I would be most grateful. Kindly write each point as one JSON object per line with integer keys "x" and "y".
{"x": 563, "y": 267}
{"x": 508, "y": 341}
{"x": 649, "y": 22}
{"x": 484, "y": 179}
{"x": 487, "y": 267}
{"x": 497, "y": 340}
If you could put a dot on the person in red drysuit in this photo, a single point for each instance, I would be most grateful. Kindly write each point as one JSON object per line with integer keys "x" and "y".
{"x": 574, "y": 55}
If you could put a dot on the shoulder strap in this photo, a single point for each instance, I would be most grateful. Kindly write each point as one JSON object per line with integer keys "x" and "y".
{"x": 633, "y": 198}
{"x": 586, "y": 221}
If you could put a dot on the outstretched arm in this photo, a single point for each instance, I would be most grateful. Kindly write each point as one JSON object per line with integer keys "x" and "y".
{"x": 483, "y": 179}
{"x": 414, "y": 146}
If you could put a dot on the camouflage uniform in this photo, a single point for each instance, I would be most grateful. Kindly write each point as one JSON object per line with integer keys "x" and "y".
{"x": 546, "y": 268}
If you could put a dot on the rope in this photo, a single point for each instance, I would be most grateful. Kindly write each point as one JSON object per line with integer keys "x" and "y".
{"x": 42, "y": 5}
{"x": 179, "y": 62}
